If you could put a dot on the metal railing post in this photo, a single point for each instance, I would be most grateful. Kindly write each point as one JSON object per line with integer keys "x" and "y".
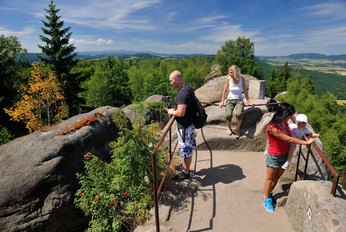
{"x": 298, "y": 161}
{"x": 156, "y": 207}
{"x": 170, "y": 144}
{"x": 306, "y": 161}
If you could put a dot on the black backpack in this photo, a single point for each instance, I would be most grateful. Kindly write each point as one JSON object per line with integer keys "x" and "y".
{"x": 199, "y": 114}
{"x": 272, "y": 107}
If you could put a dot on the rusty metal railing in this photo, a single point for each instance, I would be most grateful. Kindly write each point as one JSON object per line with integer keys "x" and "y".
{"x": 156, "y": 187}
{"x": 251, "y": 105}
{"x": 325, "y": 160}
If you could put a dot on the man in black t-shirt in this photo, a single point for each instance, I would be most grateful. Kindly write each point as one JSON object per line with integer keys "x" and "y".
{"x": 183, "y": 114}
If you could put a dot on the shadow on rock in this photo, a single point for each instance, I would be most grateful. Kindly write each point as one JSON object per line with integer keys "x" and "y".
{"x": 250, "y": 118}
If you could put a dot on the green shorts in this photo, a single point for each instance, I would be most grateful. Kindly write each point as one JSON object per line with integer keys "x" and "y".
{"x": 235, "y": 106}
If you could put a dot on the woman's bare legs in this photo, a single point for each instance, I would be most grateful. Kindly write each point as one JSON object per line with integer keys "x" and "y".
{"x": 272, "y": 178}
{"x": 237, "y": 128}
{"x": 229, "y": 125}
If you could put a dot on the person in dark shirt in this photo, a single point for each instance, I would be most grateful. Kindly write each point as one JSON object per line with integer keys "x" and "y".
{"x": 183, "y": 113}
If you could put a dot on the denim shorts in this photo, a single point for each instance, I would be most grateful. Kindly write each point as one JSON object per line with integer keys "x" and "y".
{"x": 275, "y": 161}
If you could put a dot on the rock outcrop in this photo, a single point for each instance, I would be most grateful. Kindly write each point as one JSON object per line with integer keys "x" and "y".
{"x": 38, "y": 173}
{"x": 311, "y": 207}
{"x": 214, "y": 72}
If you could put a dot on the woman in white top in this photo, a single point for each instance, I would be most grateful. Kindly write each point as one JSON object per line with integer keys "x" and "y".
{"x": 234, "y": 87}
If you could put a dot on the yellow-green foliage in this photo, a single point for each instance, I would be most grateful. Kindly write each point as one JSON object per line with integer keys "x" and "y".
{"x": 42, "y": 101}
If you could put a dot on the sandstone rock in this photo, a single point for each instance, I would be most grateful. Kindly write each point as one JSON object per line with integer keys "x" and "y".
{"x": 311, "y": 207}
{"x": 211, "y": 91}
{"x": 38, "y": 174}
{"x": 214, "y": 73}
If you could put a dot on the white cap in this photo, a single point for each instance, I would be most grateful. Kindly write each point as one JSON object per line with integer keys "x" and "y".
{"x": 302, "y": 118}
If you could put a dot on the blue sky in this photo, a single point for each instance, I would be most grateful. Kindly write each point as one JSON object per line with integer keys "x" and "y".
{"x": 187, "y": 26}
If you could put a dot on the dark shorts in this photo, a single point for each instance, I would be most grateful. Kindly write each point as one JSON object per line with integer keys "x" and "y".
{"x": 275, "y": 161}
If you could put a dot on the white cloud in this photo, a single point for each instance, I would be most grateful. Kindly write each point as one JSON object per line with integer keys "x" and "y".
{"x": 223, "y": 33}
{"x": 322, "y": 40}
{"x": 163, "y": 47}
{"x": 327, "y": 9}
{"x": 24, "y": 32}
{"x": 90, "y": 41}
{"x": 328, "y": 36}
{"x": 110, "y": 14}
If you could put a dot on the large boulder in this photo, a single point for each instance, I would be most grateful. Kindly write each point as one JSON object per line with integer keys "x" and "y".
{"x": 311, "y": 207}
{"x": 38, "y": 173}
{"x": 211, "y": 91}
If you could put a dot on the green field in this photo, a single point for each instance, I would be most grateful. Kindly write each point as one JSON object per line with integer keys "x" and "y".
{"x": 341, "y": 102}
{"x": 325, "y": 66}
{"x": 325, "y": 75}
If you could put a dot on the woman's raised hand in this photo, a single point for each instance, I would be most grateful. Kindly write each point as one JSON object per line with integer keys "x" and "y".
{"x": 310, "y": 140}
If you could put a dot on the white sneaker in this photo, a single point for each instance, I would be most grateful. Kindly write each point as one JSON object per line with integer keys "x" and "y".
{"x": 285, "y": 165}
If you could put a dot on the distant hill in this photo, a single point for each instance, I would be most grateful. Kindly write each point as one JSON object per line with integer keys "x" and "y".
{"x": 120, "y": 53}
{"x": 148, "y": 54}
{"x": 307, "y": 56}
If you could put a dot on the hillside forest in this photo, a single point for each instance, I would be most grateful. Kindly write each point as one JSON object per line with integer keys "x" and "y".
{"x": 34, "y": 96}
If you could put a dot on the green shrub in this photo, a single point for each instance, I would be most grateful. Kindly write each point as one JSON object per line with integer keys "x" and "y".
{"x": 118, "y": 194}
{"x": 325, "y": 117}
{"x": 5, "y": 135}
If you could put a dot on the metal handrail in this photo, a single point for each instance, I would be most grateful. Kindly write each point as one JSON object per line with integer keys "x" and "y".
{"x": 251, "y": 105}
{"x": 326, "y": 161}
{"x": 156, "y": 189}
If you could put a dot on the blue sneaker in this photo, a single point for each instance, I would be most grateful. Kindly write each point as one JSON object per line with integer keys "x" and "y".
{"x": 268, "y": 205}
{"x": 271, "y": 195}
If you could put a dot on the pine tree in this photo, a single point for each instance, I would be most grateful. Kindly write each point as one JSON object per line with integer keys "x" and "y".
{"x": 59, "y": 55}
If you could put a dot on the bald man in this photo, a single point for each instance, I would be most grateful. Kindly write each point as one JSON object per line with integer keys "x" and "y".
{"x": 183, "y": 113}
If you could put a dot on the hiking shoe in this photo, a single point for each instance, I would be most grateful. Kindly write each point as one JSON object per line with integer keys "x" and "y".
{"x": 268, "y": 205}
{"x": 285, "y": 165}
{"x": 179, "y": 168}
{"x": 182, "y": 176}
